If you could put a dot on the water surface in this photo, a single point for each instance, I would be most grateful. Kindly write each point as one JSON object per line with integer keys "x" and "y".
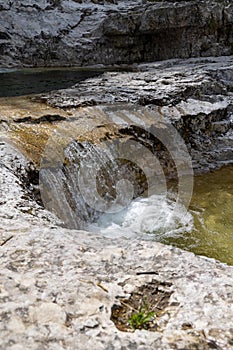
{"x": 212, "y": 210}
{"x": 206, "y": 229}
{"x": 35, "y": 81}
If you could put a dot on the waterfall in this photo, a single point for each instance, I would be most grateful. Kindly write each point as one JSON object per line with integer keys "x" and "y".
{"x": 99, "y": 173}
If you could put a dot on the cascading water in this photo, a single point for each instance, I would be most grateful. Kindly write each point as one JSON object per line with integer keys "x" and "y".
{"x": 117, "y": 186}
{"x": 61, "y": 183}
{"x": 126, "y": 214}
{"x": 91, "y": 181}
{"x": 148, "y": 218}
{"x": 107, "y": 171}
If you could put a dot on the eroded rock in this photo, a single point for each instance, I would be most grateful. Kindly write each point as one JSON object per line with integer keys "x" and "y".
{"x": 195, "y": 95}
{"x": 58, "y": 286}
{"x": 86, "y": 32}
{"x": 64, "y": 284}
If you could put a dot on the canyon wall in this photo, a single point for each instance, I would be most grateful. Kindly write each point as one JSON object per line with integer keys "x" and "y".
{"x": 90, "y": 32}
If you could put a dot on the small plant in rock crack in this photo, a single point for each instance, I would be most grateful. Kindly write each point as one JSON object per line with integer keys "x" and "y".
{"x": 140, "y": 319}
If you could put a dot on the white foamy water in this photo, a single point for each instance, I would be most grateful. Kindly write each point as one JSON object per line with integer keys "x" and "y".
{"x": 154, "y": 218}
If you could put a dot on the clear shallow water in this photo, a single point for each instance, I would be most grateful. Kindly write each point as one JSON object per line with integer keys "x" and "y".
{"x": 206, "y": 229}
{"x": 35, "y": 81}
{"x": 212, "y": 210}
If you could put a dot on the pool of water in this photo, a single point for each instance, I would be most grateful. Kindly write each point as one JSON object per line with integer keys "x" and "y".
{"x": 205, "y": 229}
{"x": 212, "y": 210}
{"x": 35, "y": 81}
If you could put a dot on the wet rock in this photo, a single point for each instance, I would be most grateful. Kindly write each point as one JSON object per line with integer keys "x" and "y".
{"x": 89, "y": 32}
{"x": 19, "y": 193}
{"x": 195, "y": 95}
{"x": 48, "y": 118}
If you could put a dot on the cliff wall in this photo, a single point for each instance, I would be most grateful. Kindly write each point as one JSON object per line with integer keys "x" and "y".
{"x": 90, "y": 32}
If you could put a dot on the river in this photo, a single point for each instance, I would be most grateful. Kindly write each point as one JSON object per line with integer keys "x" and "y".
{"x": 34, "y": 81}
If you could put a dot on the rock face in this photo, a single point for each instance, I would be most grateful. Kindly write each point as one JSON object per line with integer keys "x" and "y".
{"x": 86, "y": 32}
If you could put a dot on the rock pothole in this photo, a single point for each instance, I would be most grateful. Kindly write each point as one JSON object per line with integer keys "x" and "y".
{"x": 146, "y": 308}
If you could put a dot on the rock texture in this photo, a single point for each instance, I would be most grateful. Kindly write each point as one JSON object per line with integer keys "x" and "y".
{"x": 58, "y": 287}
{"x": 86, "y": 32}
{"x": 194, "y": 94}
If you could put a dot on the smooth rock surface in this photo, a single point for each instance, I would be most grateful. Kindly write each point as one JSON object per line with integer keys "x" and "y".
{"x": 106, "y": 32}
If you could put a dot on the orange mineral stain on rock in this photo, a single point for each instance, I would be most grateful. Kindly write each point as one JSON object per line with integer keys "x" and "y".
{"x": 25, "y": 121}
{"x": 31, "y": 123}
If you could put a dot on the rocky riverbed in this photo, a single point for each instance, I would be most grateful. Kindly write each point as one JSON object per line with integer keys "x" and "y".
{"x": 75, "y": 289}
{"x": 59, "y": 287}
{"x": 195, "y": 95}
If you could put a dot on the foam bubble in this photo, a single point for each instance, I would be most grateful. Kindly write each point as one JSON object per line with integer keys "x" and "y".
{"x": 151, "y": 218}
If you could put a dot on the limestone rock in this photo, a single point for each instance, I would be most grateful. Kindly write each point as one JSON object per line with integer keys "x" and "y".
{"x": 58, "y": 286}
{"x": 194, "y": 94}
{"x": 87, "y": 32}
